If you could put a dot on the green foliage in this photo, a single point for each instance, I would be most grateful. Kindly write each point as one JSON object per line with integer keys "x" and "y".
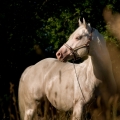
{"x": 57, "y": 29}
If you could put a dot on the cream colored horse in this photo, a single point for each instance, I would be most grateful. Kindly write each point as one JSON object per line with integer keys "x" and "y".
{"x": 66, "y": 85}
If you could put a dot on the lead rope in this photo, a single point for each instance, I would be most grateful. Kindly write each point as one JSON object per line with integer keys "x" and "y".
{"x": 78, "y": 82}
{"x": 80, "y": 89}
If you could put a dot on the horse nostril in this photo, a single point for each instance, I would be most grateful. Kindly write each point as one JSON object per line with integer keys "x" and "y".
{"x": 58, "y": 54}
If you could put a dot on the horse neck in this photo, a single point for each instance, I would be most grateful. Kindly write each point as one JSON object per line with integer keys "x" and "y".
{"x": 102, "y": 70}
{"x": 102, "y": 66}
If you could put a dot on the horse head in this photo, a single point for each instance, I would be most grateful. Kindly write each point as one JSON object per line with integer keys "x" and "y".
{"x": 77, "y": 45}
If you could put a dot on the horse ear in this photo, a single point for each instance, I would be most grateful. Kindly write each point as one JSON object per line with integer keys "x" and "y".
{"x": 80, "y": 23}
{"x": 84, "y": 23}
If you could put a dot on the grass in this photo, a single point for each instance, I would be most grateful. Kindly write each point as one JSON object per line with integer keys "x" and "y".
{"x": 93, "y": 111}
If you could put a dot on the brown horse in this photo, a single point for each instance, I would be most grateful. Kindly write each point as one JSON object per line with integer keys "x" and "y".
{"x": 66, "y": 85}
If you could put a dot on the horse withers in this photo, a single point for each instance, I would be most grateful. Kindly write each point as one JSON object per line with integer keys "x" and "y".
{"x": 68, "y": 86}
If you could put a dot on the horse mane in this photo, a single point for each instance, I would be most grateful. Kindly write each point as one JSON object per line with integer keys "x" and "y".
{"x": 100, "y": 38}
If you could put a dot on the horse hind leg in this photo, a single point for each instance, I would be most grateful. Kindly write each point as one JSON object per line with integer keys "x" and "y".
{"x": 35, "y": 112}
{"x": 42, "y": 108}
{"x": 29, "y": 114}
{"x": 30, "y": 110}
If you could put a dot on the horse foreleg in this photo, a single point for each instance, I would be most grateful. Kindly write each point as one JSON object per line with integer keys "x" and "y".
{"x": 77, "y": 111}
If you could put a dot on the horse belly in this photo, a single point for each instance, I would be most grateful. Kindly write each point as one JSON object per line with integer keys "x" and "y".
{"x": 60, "y": 94}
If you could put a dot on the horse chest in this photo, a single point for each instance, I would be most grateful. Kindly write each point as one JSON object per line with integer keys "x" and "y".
{"x": 85, "y": 83}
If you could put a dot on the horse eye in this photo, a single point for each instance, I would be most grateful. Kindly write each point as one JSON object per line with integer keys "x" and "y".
{"x": 79, "y": 37}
